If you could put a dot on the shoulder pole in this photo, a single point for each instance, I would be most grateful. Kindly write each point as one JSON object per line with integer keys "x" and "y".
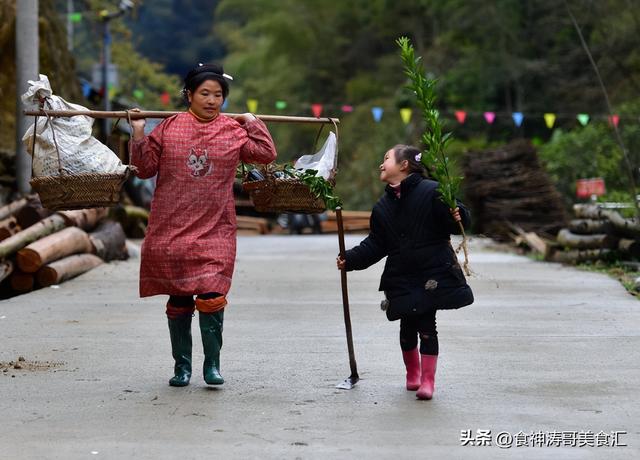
{"x": 167, "y": 114}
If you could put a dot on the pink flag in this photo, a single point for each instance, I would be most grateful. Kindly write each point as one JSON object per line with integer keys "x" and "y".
{"x": 461, "y": 116}
{"x": 614, "y": 120}
{"x": 317, "y": 110}
{"x": 490, "y": 117}
{"x": 347, "y": 108}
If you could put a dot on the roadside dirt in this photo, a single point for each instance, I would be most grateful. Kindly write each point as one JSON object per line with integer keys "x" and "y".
{"x": 21, "y": 365}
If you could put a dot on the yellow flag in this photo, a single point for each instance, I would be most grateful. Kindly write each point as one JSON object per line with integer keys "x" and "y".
{"x": 550, "y": 119}
{"x": 405, "y": 113}
{"x": 252, "y": 105}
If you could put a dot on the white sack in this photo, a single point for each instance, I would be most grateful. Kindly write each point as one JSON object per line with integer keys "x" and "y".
{"x": 80, "y": 152}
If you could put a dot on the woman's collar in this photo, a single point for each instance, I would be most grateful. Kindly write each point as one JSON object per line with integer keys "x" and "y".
{"x": 202, "y": 120}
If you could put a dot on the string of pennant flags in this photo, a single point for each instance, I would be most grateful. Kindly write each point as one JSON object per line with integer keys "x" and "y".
{"x": 406, "y": 113}
{"x": 461, "y": 116}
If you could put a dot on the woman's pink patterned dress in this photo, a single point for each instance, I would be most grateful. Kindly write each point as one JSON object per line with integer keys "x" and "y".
{"x": 190, "y": 245}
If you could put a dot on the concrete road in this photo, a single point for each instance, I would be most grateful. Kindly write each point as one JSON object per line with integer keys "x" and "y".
{"x": 547, "y": 354}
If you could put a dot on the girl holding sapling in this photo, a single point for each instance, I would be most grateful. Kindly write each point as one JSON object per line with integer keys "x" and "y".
{"x": 411, "y": 225}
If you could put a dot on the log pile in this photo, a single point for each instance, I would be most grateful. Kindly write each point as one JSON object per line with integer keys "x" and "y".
{"x": 252, "y": 225}
{"x": 508, "y": 185}
{"x": 39, "y": 248}
{"x": 596, "y": 234}
{"x": 133, "y": 219}
{"x": 352, "y": 221}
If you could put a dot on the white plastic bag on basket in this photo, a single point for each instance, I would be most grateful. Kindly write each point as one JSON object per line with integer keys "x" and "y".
{"x": 322, "y": 161}
{"x": 80, "y": 152}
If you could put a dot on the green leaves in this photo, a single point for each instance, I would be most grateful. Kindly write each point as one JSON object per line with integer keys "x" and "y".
{"x": 434, "y": 140}
{"x": 319, "y": 186}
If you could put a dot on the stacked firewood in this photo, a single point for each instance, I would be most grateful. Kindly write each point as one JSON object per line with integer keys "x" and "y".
{"x": 596, "y": 234}
{"x": 508, "y": 186}
{"x": 133, "y": 219}
{"x": 352, "y": 221}
{"x": 39, "y": 248}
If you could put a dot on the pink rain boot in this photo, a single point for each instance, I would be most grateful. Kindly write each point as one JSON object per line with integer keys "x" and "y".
{"x": 428, "y": 364}
{"x": 412, "y": 363}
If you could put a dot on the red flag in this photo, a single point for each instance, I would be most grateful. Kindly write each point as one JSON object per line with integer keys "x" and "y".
{"x": 317, "y": 110}
{"x": 461, "y": 116}
{"x": 614, "y": 120}
{"x": 165, "y": 98}
{"x": 347, "y": 108}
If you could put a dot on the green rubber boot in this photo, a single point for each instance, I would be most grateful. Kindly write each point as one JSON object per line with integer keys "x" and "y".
{"x": 181, "y": 343}
{"x": 211, "y": 330}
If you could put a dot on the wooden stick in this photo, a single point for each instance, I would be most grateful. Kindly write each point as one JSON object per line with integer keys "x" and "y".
{"x": 86, "y": 219}
{"x": 32, "y": 213}
{"x": 166, "y": 114}
{"x": 8, "y": 227}
{"x": 63, "y": 243}
{"x": 43, "y": 228}
{"x": 577, "y": 256}
{"x": 22, "y": 282}
{"x": 594, "y": 241}
{"x": 66, "y": 268}
{"x": 109, "y": 241}
{"x": 353, "y": 378}
{"x": 628, "y": 227}
{"x": 6, "y": 268}
{"x": 13, "y": 207}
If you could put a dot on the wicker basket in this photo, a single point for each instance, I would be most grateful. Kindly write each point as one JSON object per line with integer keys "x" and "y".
{"x": 283, "y": 195}
{"x": 287, "y": 194}
{"x": 77, "y": 191}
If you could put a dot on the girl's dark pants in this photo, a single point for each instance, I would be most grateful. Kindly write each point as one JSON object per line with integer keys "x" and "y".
{"x": 423, "y": 326}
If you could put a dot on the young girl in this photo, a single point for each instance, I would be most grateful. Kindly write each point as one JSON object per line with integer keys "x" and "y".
{"x": 190, "y": 246}
{"x": 412, "y": 226}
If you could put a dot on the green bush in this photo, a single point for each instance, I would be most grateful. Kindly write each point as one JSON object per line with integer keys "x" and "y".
{"x": 587, "y": 152}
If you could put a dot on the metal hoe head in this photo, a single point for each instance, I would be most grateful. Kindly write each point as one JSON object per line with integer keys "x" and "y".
{"x": 348, "y": 383}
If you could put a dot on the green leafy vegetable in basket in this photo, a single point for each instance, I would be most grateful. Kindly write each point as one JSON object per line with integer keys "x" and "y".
{"x": 319, "y": 186}
{"x": 434, "y": 140}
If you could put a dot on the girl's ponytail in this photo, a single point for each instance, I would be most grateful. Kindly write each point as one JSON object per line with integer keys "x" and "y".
{"x": 412, "y": 155}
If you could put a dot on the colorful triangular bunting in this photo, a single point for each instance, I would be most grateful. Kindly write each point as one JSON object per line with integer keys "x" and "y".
{"x": 405, "y": 114}
{"x": 550, "y": 119}
{"x": 490, "y": 117}
{"x": 377, "y": 113}
{"x": 252, "y": 105}
{"x": 583, "y": 118}
{"x": 317, "y": 110}
{"x": 518, "y": 118}
{"x": 614, "y": 120}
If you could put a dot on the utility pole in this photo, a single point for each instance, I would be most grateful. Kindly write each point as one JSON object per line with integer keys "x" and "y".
{"x": 106, "y": 60}
{"x": 106, "y": 18}
{"x": 69, "y": 25}
{"x": 27, "y": 67}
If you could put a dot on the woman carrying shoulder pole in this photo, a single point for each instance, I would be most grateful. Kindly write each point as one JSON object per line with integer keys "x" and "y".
{"x": 190, "y": 247}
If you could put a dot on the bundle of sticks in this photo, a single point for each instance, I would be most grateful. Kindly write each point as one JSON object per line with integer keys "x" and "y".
{"x": 508, "y": 185}
{"x": 39, "y": 248}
